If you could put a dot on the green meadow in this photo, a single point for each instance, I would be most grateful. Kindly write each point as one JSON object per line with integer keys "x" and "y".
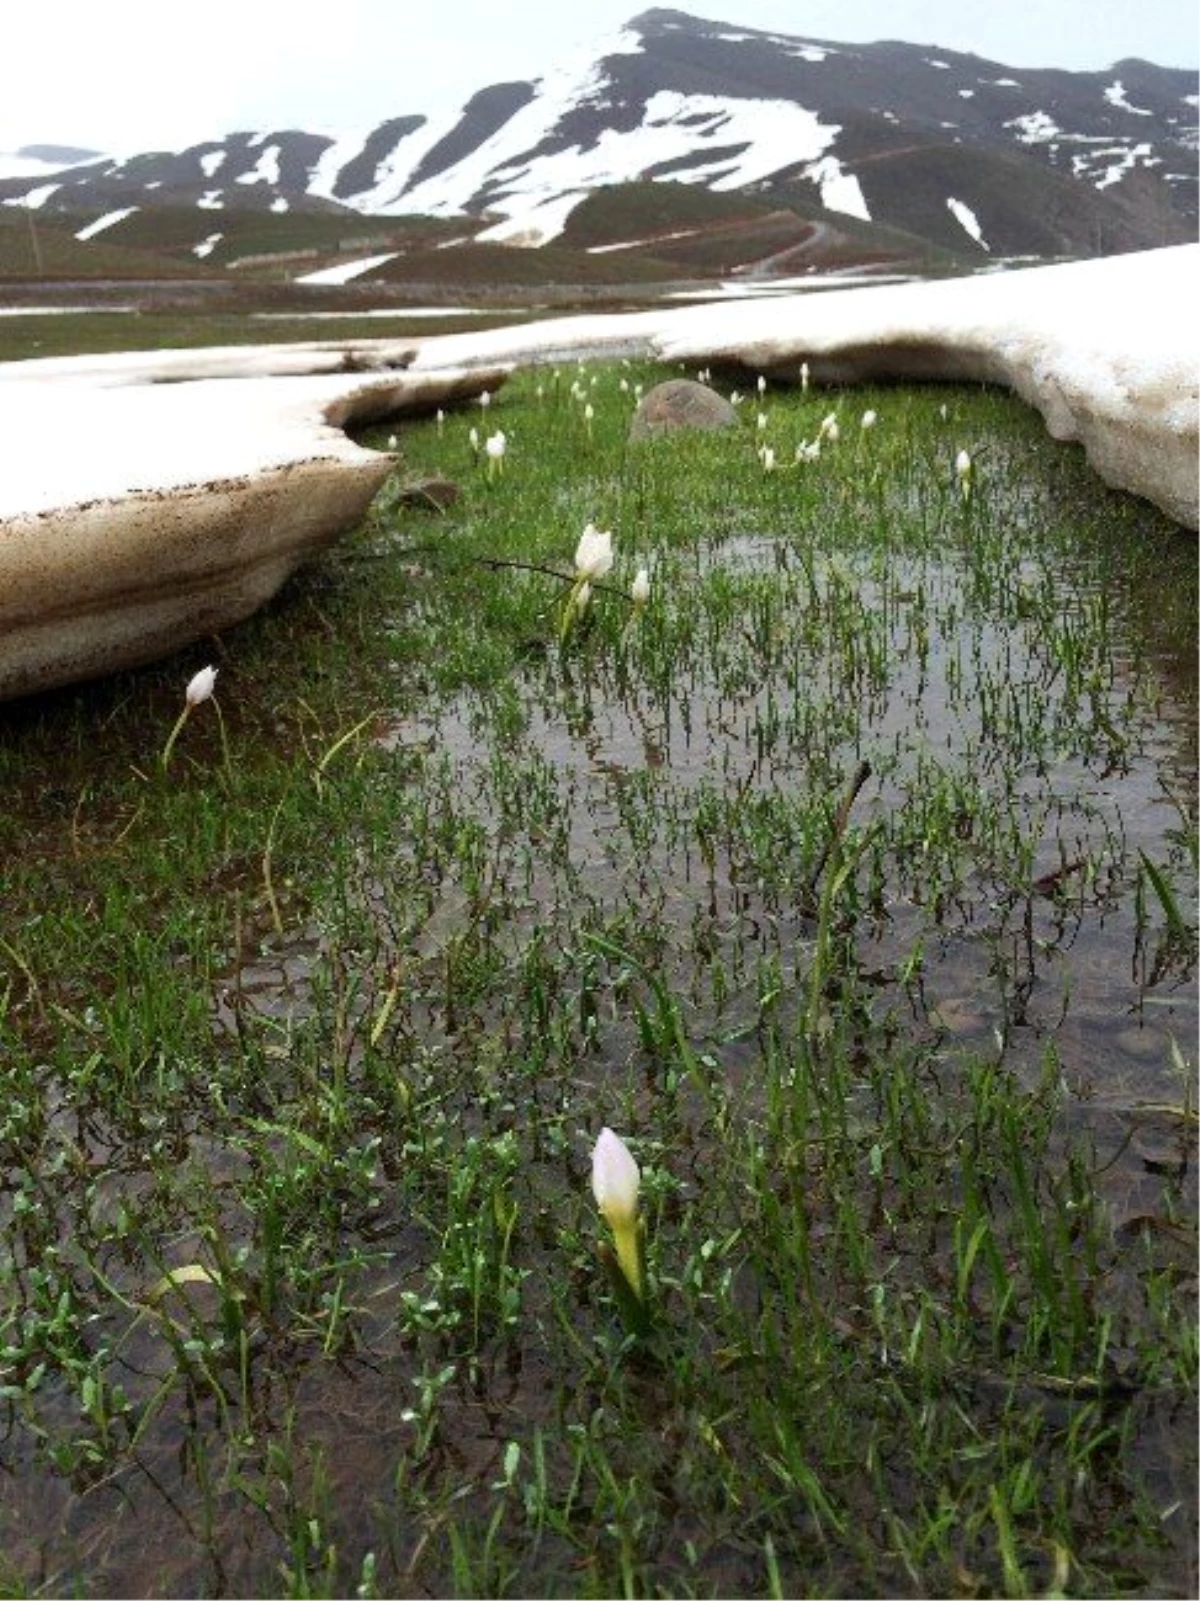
{"x": 849, "y": 879}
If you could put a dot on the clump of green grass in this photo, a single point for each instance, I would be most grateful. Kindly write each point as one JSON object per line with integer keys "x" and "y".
{"x": 848, "y": 879}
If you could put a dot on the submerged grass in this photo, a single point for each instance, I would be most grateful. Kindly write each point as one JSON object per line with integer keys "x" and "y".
{"x": 851, "y": 880}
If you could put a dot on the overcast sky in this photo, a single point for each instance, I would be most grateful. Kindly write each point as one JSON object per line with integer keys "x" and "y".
{"x": 147, "y": 74}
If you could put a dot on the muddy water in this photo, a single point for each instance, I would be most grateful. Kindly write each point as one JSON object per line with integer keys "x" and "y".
{"x": 628, "y": 793}
{"x": 1048, "y": 941}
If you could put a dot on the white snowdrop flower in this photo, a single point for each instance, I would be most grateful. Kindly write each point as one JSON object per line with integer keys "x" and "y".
{"x": 762, "y": 384}
{"x": 964, "y": 469}
{"x": 637, "y": 391}
{"x": 804, "y": 377}
{"x": 767, "y": 457}
{"x": 441, "y": 419}
{"x": 199, "y": 689}
{"x": 485, "y": 399}
{"x": 869, "y": 419}
{"x": 639, "y": 592}
{"x": 594, "y": 553}
{"x": 473, "y": 438}
{"x": 808, "y": 450}
{"x": 829, "y": 429}
{"x": 735, "y": 397}
{"x": 495, "y": 445}
{"x": 623, "y": 386}
{"x": 201, "y": 686}
{"x": 762, "y": 421}
{"x": 393, "y": 443}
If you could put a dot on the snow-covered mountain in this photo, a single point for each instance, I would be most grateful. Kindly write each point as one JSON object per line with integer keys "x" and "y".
{"x": 962, "y": 152}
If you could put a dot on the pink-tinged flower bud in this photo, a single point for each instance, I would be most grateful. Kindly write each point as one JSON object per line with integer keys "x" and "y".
{"x": 616, "y": 1179}
{"x": 615, "y": 1182}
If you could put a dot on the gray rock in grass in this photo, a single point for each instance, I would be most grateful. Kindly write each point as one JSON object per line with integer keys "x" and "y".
{"x": 680, "y": 403}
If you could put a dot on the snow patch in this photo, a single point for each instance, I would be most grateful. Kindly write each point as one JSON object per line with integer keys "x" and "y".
{"x": 1126, "y": 161}
{"x": 637, "y": 244}
{"x": 530, "y": 229}
{"x": 109, "y": 220}
{"x": 840, "y": 190}
{"x": 61, "y": 311}
{"x": 392, "y": 174}
{"x": 212, "y": 162}
{"x": 1115, "y": 95}
{"x": 346, "y": 270}
{"x": 785, "y": 42}
{"x": 34, "y": 199}
{"x": 211, "y": 200}
{"x": 433, "y": 313}
{"x": 1035, "y": 128}
{"x": 535, "y": 194}
{"x": 207, "y": 246}
{"x": 968, "y": 220}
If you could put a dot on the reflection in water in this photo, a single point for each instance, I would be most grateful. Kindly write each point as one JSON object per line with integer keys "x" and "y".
{"x": 1048, "y": 731}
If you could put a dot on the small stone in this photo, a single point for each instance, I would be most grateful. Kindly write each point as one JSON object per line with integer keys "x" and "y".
{"x": 434, "y": 493}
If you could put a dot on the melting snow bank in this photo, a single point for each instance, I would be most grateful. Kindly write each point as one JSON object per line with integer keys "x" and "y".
{"x": 1107, "y": 350}
{"x": 153, "y": 498}
{"x": 167, "y": 511}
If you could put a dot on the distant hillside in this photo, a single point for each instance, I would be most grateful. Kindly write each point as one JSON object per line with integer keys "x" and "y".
{"x": 44, "y": 247}
{"x": 890, "y": 151}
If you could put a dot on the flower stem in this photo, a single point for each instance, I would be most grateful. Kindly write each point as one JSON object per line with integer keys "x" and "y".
{"x": 174, "y": 735}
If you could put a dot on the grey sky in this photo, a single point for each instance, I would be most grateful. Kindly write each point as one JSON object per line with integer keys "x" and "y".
{"x": 123, "y": 77}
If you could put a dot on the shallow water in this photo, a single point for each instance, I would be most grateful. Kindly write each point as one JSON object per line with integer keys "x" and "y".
{"x": 1057, "y": 954}
{"x": 1040, "y": 720}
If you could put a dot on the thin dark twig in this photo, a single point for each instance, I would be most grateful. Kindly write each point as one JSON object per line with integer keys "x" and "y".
{"x": 841, "y": 819}
{"x": 437, "y": 548}
{"x": 547, "y": 572}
